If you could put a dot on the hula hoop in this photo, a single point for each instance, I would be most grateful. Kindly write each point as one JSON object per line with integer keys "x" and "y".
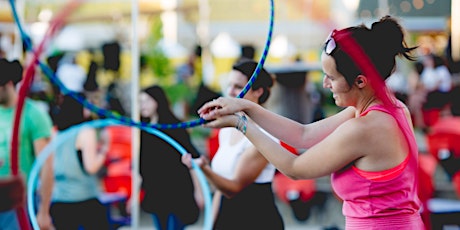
{"x": 62, "y": 136}
{"x": 152, "y": 128}
{"x": 24, "y": 89}
{"x": 110, "y": 114}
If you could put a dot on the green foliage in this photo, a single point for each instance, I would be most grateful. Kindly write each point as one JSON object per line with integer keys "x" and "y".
{"x": 179, "y": 92}
{"x": 162, "y": 68}
{"x": 156, "y": 59}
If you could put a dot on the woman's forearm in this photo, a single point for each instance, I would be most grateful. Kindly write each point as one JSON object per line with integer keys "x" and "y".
{"x": 280, "y": 127}
{"x": 292, "y": 132}
{"x": 227, "y": 187}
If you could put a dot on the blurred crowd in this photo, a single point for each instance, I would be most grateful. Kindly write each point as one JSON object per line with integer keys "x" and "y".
{"x": 431, "y": 90}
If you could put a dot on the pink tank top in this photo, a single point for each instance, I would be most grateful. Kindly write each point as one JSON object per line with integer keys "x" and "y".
{"x": 382, "y": 200}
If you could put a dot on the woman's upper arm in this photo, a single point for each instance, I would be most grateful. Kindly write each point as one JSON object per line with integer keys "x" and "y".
{"x": 87, "y": 143}
{"x": 317, "y": 131}
{"x": 340, "y": 148}
{"x": 249, "y": 167}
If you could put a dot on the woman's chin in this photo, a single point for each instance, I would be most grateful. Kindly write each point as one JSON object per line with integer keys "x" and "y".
{"x": 337, "y": 102}
{"x": 340, "y": 103}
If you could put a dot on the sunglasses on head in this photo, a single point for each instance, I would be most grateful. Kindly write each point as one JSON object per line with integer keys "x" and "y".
{"x": 330, "y": 45}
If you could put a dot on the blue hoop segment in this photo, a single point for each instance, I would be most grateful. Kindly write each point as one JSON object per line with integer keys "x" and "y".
{"x": 61, "y": 137}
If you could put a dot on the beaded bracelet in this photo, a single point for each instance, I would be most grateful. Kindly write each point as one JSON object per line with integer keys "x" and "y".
{"x": 242, "y": 123}
{"x": 238, "y": 121}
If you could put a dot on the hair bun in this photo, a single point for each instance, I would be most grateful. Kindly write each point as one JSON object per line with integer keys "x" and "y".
{"x": 389, "y": 33}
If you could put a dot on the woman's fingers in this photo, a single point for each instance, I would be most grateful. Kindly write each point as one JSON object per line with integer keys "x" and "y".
{"x": 209, "y": 106}
{"x": 218, "y": 107}
{"x": 187, "y": 160}
{"x": 222, "y": 121}
{"x": 199, "y": 162}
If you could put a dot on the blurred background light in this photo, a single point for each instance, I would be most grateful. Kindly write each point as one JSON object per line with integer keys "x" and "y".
{"x": 224, "y": 46}
{"x": 282, "y": 47}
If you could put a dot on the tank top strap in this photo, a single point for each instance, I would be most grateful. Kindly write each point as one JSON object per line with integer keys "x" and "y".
{"x": 374, "y": 107}
{"x": 400, "y": 118}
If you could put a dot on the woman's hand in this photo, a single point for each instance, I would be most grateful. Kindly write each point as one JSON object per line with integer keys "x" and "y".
{"x": 223, "y": 121}
{"x": 187, "y": 161}
{"x": 221, "y": 107}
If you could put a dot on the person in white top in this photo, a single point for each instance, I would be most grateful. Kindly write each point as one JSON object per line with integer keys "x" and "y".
{"x": 242, "y": 176}
{"x": 437, "y": 82}
{"x": 71, "y": 74}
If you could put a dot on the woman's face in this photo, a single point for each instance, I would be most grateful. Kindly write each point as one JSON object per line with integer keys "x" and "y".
{"x": 147, "y": 105}
{"x": 336, "y": 82}
{"x": 236, "y": 83}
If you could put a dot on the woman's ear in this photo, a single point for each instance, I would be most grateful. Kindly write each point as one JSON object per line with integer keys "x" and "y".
{"x": 258, "y": 92}
{"x": 361, "y": 81}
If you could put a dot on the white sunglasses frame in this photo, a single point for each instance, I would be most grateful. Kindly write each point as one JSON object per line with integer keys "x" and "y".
{"x": 330, "y": 45}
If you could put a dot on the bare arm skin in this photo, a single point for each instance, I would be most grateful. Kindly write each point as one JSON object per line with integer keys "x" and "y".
{"x": 198, "y": 194}
{"x": 216, "y": 204}
{"x": 348, "y": 143}
{"x": 46, "y": 186}
{"x": 93, "y": 158}
{"x": 248, "y": 169}
{"x": 293, "y": 133}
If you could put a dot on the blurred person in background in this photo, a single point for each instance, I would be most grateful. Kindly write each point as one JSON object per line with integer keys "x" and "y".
{"x": 172, "y": 195}
{"x": 242, "y": 176}
{"x": 437, "y": 81}
{"x": 75, "y": 201}
{"x": 34, "y": 135}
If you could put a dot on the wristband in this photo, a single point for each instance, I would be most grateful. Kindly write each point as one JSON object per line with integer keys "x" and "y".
{"x": 242, "y": 123}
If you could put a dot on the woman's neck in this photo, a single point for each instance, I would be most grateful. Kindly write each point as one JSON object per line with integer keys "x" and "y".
{"x": 366, "y": 104}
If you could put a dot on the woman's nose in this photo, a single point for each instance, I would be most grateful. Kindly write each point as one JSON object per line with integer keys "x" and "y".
{"x": 232, "y": 91}
{"x": 325, "y": 82}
